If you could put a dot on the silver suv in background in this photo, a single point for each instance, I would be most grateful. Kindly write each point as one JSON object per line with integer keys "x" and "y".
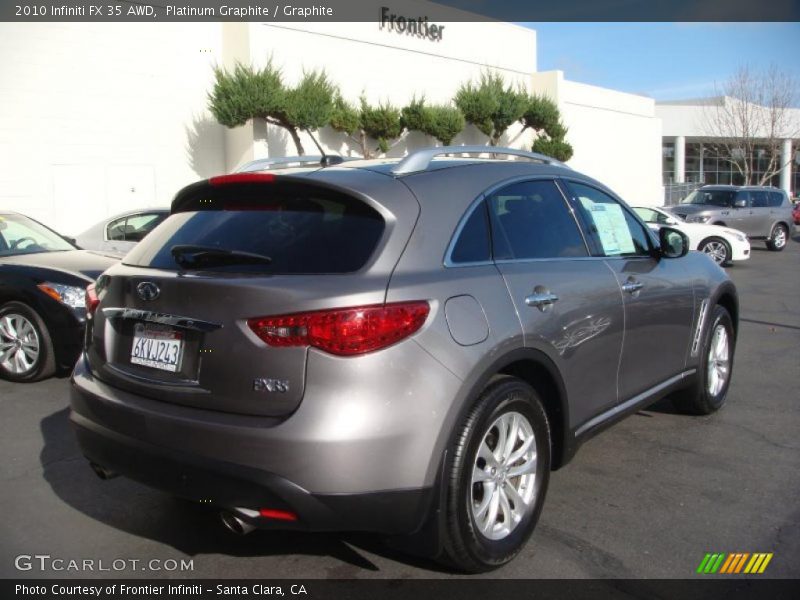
{"x": 406, "y": 347}
{"x": 762, "y": 213}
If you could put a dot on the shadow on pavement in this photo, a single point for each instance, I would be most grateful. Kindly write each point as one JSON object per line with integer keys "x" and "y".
{"x": 186, "y": 526}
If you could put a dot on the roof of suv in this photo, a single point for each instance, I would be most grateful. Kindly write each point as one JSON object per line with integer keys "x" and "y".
{"x": 418, "y": 161}
{"x": 739, "y": 187}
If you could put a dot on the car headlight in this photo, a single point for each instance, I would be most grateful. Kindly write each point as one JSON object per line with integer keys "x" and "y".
{"x": 698, "y": 219}
{"x": 737, "y": 235}
{"x": 71, "y": 295}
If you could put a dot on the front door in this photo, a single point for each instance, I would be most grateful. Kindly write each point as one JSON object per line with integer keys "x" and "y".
{"x": 657, "y": 293}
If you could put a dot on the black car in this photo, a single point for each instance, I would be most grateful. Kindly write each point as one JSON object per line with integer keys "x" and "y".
{"x": 43, "y": 280}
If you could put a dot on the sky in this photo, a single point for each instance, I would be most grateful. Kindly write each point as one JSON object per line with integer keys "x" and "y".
{"x": 666, "y": 61}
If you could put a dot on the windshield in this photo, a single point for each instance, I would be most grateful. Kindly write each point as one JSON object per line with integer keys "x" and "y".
{"x": 710, "y": 197}
{"x": 21, "y": 235}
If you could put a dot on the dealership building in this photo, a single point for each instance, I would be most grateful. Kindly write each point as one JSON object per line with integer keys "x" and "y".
{"x": 98, "y": 118}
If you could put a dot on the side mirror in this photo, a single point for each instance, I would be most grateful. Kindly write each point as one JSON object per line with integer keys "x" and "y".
{"x": 674, "y": 243}
{"x": 672, "y": 221}
{"x": 741, "y": 203}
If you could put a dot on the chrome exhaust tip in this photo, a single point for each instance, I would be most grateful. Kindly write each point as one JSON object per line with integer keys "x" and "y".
{"x": 235, "y": 524}
{"x": 102, "y": 472}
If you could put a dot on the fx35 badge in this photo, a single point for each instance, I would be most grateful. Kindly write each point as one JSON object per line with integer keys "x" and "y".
{"x": 261, "y": 384}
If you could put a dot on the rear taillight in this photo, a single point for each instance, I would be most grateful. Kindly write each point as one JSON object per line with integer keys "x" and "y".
{"x": 344, "y": 331}
{"x": 91, "y": 300}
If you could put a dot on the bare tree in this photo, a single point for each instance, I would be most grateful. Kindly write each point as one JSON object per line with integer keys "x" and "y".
{"x": 749, "y": 121}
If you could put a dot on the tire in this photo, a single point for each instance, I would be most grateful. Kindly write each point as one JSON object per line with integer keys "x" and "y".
{"x": 474, "y": 540}
{"x": 26, "y": 348}
{"x": 710, "y": 388}
{"x": 717, "y": 249}
{"x": 778, "y": 238}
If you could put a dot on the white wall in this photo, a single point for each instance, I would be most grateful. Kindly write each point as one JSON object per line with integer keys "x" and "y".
{"x": 96, "y": 118}
{"x": 616, "y": 137}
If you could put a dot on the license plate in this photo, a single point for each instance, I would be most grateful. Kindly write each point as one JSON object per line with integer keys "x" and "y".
{"x": 157, "y": 348}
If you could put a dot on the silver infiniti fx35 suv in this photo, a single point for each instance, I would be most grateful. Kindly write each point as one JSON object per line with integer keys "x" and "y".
{"x": 406, "y": 347}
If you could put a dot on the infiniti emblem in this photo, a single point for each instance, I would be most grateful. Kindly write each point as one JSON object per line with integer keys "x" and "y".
{"x": 148, "y": 290}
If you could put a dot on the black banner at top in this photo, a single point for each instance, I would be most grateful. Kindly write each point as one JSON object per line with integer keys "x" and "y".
{"x": 369, "y": 10}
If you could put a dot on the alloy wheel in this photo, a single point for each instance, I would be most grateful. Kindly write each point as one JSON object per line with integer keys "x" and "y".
{"x": 19, "y": 344}
{"x": 779, "y": 237}
{"x": 717, "y": 251}
{"x": 718, "y": 367}
{"x": 504, "y": 476}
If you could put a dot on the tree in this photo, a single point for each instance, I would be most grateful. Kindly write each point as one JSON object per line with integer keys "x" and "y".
{"x": 749, "y": 120}
{"x": 439, "y": 121}
{"x": 248, "y": 93}
{"x": 490, "y": 105}
{"x": 543, "y": 117}
{"x": 381, "y": 123}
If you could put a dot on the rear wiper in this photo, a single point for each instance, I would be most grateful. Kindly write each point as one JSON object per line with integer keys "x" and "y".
{"x": 188, "y": 256}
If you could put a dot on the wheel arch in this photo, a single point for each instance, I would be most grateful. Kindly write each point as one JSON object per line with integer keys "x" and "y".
{"x": 728, "y": 299}
{"x": 538, "y": 370}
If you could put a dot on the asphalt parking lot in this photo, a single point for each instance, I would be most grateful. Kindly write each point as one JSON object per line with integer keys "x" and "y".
{"x": 648, "y": 498}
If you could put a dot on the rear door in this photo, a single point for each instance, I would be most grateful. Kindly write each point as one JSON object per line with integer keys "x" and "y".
{"x": 760, "y": 220}
{"x": 657, "y": 294}
{"x": 173, "y": 318}
{"x": 568, "y": 303}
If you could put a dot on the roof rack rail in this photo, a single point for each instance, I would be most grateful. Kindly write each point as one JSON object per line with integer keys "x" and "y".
{"x": 284, "y": 162}
{"x": 420, "y": 160}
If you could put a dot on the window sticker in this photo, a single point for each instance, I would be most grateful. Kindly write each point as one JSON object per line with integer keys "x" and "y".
{"x": 612, "y": 228}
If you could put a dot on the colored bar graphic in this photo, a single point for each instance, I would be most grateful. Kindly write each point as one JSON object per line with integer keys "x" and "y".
{"x": 734, "y": 563}
{"x": 703, "y": 563}
{"x": 765, "y": 563}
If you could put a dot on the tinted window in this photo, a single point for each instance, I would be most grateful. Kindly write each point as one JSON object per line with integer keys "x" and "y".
{"x": 710, "y": 197}
{"x": 759, "y": 199}
{"x": 116, "y": 230}
{"x": 473, "y": 241}
{"x": 133, "y": 227}
{"x": 532, "y": 220}
{"x": 775, "y": 199}
{"x": 138, "y": 226}
{"x": 325, "y": 233}
{"x": 614, "y": 229}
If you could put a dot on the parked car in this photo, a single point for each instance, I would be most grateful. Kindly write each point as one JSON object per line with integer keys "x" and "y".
{"x": 762, "y": 213}
{"x": 42, "y": 313}
{"x": 397, "y": 346}
{"x": 120, "y": 233}
{"x": 722, "y": 244}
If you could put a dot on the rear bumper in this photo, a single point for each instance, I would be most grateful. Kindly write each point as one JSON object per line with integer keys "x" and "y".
{"x": 244, "y": 490}
{"x": 243, "y": 464}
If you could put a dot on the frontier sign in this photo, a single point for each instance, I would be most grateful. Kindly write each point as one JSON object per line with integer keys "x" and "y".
{"x": 413, "y": 26}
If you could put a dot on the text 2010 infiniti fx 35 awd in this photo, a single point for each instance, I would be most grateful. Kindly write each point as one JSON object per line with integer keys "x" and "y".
{"x": 404, "y": 347}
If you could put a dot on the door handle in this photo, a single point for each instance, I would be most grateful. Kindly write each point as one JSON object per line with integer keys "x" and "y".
{"x": 632, "y": 286}
{"x": 541, "y": 300}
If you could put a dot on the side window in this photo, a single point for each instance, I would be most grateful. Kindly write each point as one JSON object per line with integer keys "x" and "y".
{"x": 614, "y": 229}
{"x": 532, "y": 220}
{"x": 473, "y": 240}
{"x": 775, "y": 199}
{"x": 759, "y": 199}
{"x": 138, "y": 226}
{"x": 115, "y": 230}
{"x": 743, "y": 196}
{"x": 648, "y": 215}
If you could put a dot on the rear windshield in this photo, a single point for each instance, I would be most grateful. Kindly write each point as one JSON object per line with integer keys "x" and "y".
{"x": 308, "y": 234}
{"x": 710, "y": 197}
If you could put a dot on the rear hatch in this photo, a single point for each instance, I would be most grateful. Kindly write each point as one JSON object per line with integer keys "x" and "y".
{"x": 172, "y": 319}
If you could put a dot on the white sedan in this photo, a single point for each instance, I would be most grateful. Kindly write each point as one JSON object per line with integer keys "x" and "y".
{"x": 722, "y": 244}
